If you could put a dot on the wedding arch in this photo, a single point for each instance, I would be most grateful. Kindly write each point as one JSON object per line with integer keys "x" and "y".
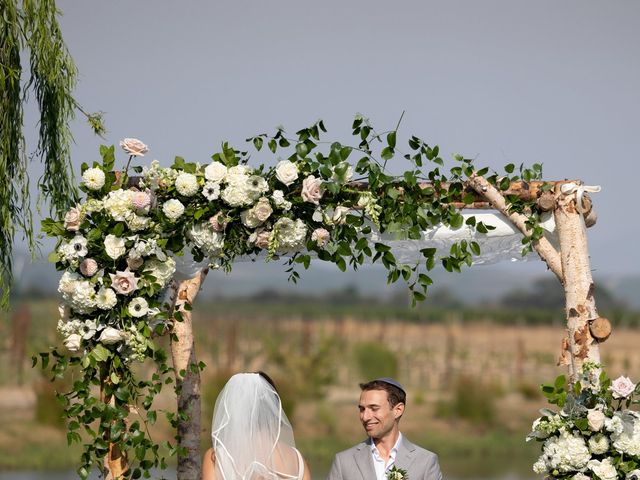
{"x": 135, "y": 252}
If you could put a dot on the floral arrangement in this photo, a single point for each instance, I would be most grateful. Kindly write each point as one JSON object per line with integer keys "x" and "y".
{"x": 118, "y": 249}
{"x": 395, "y": 473}
{"x": 595, "y": 434}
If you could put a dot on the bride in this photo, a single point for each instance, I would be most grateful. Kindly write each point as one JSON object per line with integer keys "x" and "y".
{"x": 252, "y": 437}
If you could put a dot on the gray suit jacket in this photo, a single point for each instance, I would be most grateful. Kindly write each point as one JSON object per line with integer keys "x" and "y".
{"x": 357, "y": 464}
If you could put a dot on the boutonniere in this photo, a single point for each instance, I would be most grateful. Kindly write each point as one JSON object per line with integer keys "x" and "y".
{"x": 395, "y": 473}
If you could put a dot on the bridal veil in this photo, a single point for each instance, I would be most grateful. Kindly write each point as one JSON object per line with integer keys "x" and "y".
{"x": 252, "y": 437}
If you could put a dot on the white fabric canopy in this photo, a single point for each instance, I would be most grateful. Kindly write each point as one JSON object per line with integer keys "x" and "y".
{"x": 504, "y": 243}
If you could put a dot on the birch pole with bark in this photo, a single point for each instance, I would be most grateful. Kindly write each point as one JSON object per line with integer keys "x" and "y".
{"x": 580, "y": 305}
{"x": 187, "y": 373}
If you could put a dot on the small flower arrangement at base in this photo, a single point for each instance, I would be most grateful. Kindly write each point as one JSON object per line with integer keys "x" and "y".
{"x": 595, "y": 434}
{"x": 395, "y": 473}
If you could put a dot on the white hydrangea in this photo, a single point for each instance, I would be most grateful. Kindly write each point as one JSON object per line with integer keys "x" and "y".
{"x": 187, "y": 184}
{"x": 162, "y": 271}
{"x": 144, "y": 248}
{"x": 540, "y": 467}
{"x": 215, "y": 172}
{"x": 173, "y": 209}
{"x": 598, "y": 444}
{"x": 206, "y": 239}
{"x": 605, "y": 470}
{"x": 566, "y": 453}
{"x": 118, "y": 204}
{"x": 106, "y": 298}
{"x": 66, "y": 328}
{"x": 291, "y": 234}
{"x": 236, "y": 195}
{"x": 93, "y": 178}
{"x": 137, "y": 223}
{"x": 580, "y": 476}
{"x": 614, "y": 424}
{"x": 279, "y": 200}
{"x": 81, "y": 297}
{"x": 628, "y": 440}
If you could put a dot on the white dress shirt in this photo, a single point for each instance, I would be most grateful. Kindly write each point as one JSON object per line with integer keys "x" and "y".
{"x": 378, "y": 462}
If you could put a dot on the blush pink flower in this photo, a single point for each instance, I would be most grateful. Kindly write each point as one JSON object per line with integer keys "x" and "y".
{"x": 622, "y": 387}
{"x": 218, "y": 222}
{"x": 141, "y": 200}
{"x": 262, "y": 239}
{"x": 72, "y": 219}
{"x": 88, "y": 267}
{"x": 312, "y": 189}
{"x": 320, "y": 236}
{"x": 134, "y": 147}
{"x": 124, "y": 282}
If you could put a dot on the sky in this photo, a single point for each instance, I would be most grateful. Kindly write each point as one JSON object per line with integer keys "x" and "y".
{"x": 502, "y": 81}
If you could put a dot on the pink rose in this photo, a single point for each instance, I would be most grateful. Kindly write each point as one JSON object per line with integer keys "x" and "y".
{"x": 141, "y": 200}
{"x": 262, "y": 239}
{"x": 134, "y": 147}
{"x": 622, "y": 387}
{"x": 320, "y": 236}
{"x": 88, "y": 267}
{"x": 311, "y": 189}
{"x": 218, "y": 222}
{"x": 124, "y": 282}
{"x": 262, "y": 210}
{"x": 72, "y": 220}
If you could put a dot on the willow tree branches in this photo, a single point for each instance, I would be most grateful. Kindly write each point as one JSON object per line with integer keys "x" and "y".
{"x": 31, "y": 27}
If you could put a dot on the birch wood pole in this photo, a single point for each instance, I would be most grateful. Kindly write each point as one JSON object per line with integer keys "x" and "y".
{"x": 187, "y": 379}
{"x": 546, "y": 251}
{"x": 578, "y": 283}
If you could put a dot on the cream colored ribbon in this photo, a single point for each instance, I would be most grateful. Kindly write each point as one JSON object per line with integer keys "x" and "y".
{"x": 579, "y": 190}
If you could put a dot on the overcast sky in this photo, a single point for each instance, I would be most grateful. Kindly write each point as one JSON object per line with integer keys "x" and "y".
{"x": 503, "y": 81}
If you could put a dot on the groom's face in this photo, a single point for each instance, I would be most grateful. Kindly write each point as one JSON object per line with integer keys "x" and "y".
{"x": 376, "y": 414}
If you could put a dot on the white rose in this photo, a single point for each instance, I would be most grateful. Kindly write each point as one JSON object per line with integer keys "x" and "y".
{"x": 622, "y": 387}
{"x": 110, "y": 336}
{"x": 114, "y": 246}
{"x": 215, "y": 172}
{"x": 187, "y": 184}
{"x": 337, "y": 216}
{"x": 173, "y": 209}
{"x": 72, "y": 342}
{"x": 286, "y": 172}
{"x": 596, "y": 420}
{"x": 249, "y": 219}
{"x": 134, "y": 147}
{"x": 605, "y": 470}
{"x": 93, "y": 178}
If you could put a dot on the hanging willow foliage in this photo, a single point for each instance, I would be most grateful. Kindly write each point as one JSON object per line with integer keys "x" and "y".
{"x": 31, "y": 26}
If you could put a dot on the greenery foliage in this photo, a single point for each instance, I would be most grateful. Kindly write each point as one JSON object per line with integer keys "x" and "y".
{"x": 119, "y": 249}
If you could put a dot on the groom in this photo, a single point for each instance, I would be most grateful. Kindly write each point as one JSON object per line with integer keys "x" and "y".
{"x": 382, "y": 403}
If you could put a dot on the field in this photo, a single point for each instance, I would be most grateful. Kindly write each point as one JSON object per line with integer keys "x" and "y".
{"x": 473, "y": 383}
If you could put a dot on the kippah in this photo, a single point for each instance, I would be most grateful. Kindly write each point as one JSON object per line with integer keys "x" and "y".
{"x": 391, "y": 381}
